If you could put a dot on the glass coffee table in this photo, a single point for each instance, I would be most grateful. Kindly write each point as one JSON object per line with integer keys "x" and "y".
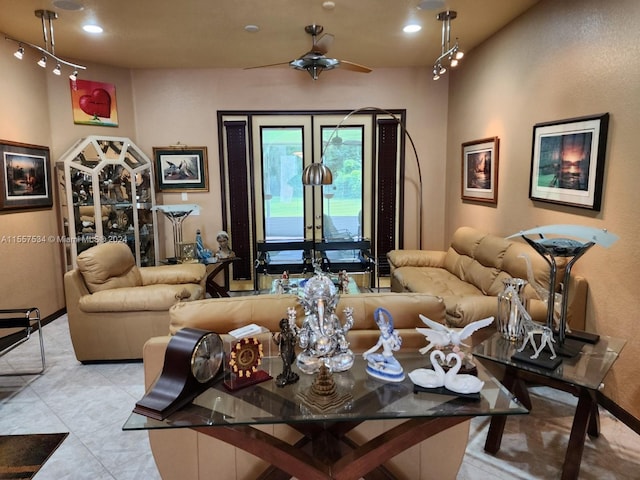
{"x": 325, "y": 451}
{"x": 581, "y": 375}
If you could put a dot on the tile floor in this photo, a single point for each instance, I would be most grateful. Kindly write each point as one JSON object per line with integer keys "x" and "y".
{"x": 92, "y": 402}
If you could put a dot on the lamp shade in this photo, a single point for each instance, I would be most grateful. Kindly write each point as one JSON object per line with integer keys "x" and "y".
{"x": 317, "y": 174}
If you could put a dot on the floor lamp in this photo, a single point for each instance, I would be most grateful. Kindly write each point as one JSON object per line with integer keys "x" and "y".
{"x": 413, "y": 146}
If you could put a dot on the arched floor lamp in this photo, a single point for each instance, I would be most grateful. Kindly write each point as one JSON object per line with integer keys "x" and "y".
{"x": 316, "y": 174}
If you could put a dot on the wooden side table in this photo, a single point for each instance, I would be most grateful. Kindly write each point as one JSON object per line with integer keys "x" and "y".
{"x": 212, "y": 287}
{"x": 581, "y": 376}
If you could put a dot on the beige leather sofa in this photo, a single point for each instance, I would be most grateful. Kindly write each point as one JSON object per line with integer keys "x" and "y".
{"x": 469, "y": 274}
{"x": 114, "y": 307}
{"x": 183, "y": 453}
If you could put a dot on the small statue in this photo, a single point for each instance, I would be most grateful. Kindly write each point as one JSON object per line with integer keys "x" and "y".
{"x": 343, "y": 280}
{"x": 384, "y": 366}
{"x": 286, "y": 341}
{"x": 224, "y": 250}
{"x": 322, "y": 337}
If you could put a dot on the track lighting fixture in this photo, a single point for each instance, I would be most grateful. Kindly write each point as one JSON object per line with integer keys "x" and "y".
{"x": 19, "y": 53}
{"x": 449, "y": 54}
{"x": 47, "y": 17}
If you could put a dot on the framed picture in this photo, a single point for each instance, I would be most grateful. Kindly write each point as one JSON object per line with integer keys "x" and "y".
{"x": 94, "y": 103}
{"x": 180, "y": 169}
{"x": 25, "y": 178}
{"x": 567, "y": 161}
{"x": 480, "y": 170}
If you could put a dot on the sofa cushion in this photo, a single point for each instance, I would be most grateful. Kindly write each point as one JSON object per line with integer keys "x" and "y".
{"x": 108, "y": 265}
{"x": 141, "y": 298}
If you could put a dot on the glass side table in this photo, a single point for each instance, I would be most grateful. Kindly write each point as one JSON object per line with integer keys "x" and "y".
{"x": 581, "y": 375}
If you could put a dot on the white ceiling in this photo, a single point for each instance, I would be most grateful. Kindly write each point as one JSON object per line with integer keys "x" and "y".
{"x": 210, "y": 33}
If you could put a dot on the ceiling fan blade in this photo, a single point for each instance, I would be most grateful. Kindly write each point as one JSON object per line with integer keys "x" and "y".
{"x": 324, "y": 43}
{"x": 265, "y": 66}
{"x": 346, "y": 65}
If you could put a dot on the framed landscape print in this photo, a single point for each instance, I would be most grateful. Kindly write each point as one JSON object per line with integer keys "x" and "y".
{"x": 181, "y": 169}
{"x": 480, "y": 170}
{"x": 567, "y": 161}
{"x": 25, "y": 178}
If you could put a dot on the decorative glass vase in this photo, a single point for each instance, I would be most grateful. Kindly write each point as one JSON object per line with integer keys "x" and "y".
{"x": 509, "y": 317}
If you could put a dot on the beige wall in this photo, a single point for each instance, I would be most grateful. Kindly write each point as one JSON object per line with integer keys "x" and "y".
{"x": 174, "y": 106}
{"x": 562, "y": 60}
{"x": 30, "y": 272}
{"x": 35, "y": 108}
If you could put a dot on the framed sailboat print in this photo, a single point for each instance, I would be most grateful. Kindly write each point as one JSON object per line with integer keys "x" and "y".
{"x": 480, "y": 170}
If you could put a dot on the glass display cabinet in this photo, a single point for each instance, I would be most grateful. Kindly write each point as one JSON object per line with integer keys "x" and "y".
{"x": 107, "y": 194}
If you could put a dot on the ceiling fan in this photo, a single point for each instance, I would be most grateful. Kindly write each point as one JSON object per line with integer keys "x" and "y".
{"x": 315, "y": 60}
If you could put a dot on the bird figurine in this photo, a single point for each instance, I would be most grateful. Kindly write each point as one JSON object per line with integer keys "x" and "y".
{"x": 460, "y": 383}
{"x": 427, "y": 377}
{"x": 441, "y": 336}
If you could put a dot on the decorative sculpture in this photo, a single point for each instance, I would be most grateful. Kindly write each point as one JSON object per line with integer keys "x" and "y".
{"x": 384, "y": 366}
{"x": 531, "y": 328}
{"x": 460, "y": 383}
{"x": 286, "y": 341}
{"x": 322, "y": 336}
{"x": 550, "y": 248}
{"x": 427, "y": 377}
{"x": 224, "y": 250}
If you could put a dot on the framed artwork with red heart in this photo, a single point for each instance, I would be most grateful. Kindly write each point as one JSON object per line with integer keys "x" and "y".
{"x": 94, "y": 103}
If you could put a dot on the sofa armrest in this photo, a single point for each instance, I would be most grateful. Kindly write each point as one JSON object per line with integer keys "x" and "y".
{"x": 153, "y": 358}
{"x": 173, "y": 274}
{"x": 416, "y": 258}
{"x": 466, "y": 309}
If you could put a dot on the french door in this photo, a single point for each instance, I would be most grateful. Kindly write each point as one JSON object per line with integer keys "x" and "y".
{"x": 263, "y": 156}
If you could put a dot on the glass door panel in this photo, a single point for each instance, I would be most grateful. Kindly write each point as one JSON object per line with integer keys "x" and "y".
{"x": 283, "y": 201}
{"x": 342, "y": 201}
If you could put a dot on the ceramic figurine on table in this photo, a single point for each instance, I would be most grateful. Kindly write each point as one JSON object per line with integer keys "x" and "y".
{"x": 430, "y": 377}
{"x": 286, "y": 341}
{"x": 460, "y": 383}
{"x": 322, "y": 336}
{"x": 224, "y": 250}
{"x": 384, "y": 366}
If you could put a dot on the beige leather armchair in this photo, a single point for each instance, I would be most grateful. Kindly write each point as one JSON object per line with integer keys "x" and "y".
{"x": 114, "y": 307}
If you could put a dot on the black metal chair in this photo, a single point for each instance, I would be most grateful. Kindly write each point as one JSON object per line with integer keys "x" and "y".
{"x": 16, "y": 327}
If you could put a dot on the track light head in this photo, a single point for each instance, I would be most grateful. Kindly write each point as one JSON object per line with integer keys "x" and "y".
{"x": 43, "y": 62}
{"x": 19, "y": 53}
{"x": 74, "y": 76}
{"x": 57, "y": 70}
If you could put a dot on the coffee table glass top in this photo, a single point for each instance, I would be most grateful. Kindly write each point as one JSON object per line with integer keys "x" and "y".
{"x": 367, "y": 399}
{"x": 587, "y": 369}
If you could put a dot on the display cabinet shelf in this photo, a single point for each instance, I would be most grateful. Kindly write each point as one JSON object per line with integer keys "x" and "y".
{"x": 107, "y": 194}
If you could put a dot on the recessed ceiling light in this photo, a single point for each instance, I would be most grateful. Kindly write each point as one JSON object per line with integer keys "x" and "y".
{"x": 92, "y": 28}
{"x": 412, "y": 28}
{"x": 430, "y": 4}
{"x": 67, "y": 5}
{"x": 251, "y": 28}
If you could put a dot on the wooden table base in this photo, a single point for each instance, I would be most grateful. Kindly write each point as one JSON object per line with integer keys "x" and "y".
{"x": 325, "y": 453}
{"x": 585, "y": 421}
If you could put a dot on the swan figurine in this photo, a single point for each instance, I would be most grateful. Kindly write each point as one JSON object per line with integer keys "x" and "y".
{"x": 462, "y": 383}
{"x": 427, "y": 377}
